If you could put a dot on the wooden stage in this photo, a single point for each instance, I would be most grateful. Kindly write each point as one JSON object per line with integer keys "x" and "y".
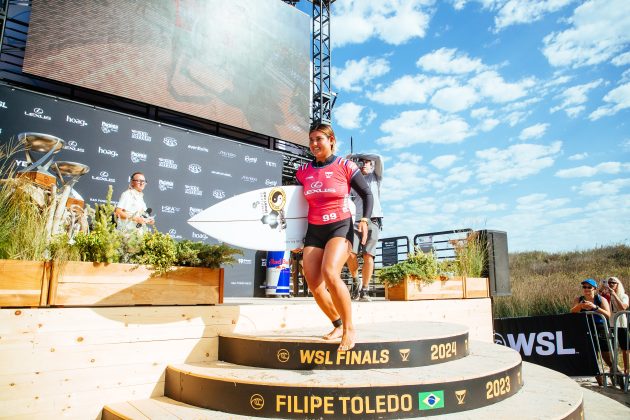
{"x": 73, "y": 361}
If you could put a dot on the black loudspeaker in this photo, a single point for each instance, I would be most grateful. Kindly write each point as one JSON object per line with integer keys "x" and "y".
{"x": 497, "y": 267}
{"x": 260, "y": 273}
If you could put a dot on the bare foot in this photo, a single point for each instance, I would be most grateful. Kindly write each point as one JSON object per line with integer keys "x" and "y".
{"x": 347, "y": 341}
{"x": 335, "y": 333}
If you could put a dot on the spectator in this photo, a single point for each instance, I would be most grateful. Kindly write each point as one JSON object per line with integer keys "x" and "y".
{"x": 619, "y": 302}
{"x": 591, "y": 301}
{"x": 131, "y": 210}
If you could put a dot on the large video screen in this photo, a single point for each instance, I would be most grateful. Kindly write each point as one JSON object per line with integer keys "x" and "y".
{"x": 244, "y": 63}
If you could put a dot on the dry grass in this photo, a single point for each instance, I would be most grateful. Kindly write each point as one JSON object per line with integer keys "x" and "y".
{"x": 547, "y": 284}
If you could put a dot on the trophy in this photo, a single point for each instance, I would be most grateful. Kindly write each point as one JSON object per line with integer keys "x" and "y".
{"x": 37, "y": 170}
{"x": 69, "y": 201}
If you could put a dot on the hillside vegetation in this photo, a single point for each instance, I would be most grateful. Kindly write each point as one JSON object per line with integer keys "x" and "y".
{"x": 546, "y": 283}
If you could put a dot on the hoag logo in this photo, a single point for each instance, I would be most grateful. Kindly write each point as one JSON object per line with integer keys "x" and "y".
{"x": 193, "y": 190}
{"x": 38, "y": 113}
{"x": 107, "y": 152}
{"x": 103, "y": 176}
{"x": 108, "y": 128}
{"x": 251, "y": 159}
{"x": 548, "y": 343}
{"x": 140, "y": 135}
{"x": 76, "y": 121}
{"x": 170, "y": 209}
{"x": 74, "y": 146}
{"x": 195, "y": 168}
{"x": 196, "y": 235}
{"x": 170, "y": 141}
{"x": 137, "y": 157}
{"x": 165, "y": 185}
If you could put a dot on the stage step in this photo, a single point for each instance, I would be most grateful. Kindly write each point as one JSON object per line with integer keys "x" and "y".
{"x": 489, "y": 374}
{"x": 384, "y": 345}
{"x": 546, "y": 394}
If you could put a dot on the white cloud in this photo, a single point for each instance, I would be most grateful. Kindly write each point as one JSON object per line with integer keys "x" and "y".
{"x": 488, "y": 124}
{"x": 600, "y": 29}
{"x": 357, "y": 74}
{"x": 393, "y": 21}
{"x": 409, "y": 90}
{"x": 352, "y": 116}
{"x": 454, "y": 98}
{"x": 618, "y": 98}
{"x": 533, "y": 132}
{"x": 588, "y": 171}
{"x": 405, "y": 179}
{"x": 480, "y": 204}
{"x": 514, "y": 12}
{"x": 603, "y": 188}
{"x": 491, "y": 85}
{"x": 621, "y": 59}
{"x": 423, "y": 126}
{"x": 539, "y": 202}
{"x": 444, "y": 161}
{"x": 447, "y": 60}
{"x": 578, "y": 156}
{"x": 516, "y": 162}
{"x": 574, "y": 96}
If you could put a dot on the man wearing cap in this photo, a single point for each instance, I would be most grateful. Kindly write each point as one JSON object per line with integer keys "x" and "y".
{"x": 372, "y": 170}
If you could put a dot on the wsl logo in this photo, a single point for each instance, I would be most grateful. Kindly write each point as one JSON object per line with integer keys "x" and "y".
{"x": 38, "y": 113}
{"x": 109, "y": 128}
{"x": 137, "y": 157}
{"x": 547, "y": 343}
{"x": 76, "y": 121}
{"x": 170, "y": 141}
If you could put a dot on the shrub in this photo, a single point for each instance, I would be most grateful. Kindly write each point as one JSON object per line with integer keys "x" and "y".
{"x": 418, "y": 266}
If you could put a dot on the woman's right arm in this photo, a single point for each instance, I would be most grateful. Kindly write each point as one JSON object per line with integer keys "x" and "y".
{"x": 577, "y": 306}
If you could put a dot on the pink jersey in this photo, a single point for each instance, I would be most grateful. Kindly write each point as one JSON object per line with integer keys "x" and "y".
{"x": 326, "y": 190}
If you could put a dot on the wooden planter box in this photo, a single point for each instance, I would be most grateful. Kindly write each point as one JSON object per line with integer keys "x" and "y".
{"x": 23, "y": 283}
{"x": 99, "y": 284}
{"x": 454, "y": 288}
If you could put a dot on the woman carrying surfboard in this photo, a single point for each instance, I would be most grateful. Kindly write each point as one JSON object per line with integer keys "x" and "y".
{"x": 327, "y": 181}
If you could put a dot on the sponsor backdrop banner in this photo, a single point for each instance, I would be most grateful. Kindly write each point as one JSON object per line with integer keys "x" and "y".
{"x": 559, "y": 342}
{"x": 186, "y": 171}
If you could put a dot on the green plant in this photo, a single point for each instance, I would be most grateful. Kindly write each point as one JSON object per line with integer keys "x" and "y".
{"x": 418, "y": 266}
{"x": 104, "y": 242}
{"x": 157, "y": 250}
{"x": 198, "y": 254}
{"x": 448, "y": 268}
{"x": 471, "y": 255}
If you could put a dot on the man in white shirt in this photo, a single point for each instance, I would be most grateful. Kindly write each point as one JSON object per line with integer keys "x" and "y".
{"x": 131, "y": 207}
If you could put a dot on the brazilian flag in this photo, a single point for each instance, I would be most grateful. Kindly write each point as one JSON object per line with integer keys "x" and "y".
{"x": 430, "y": 400}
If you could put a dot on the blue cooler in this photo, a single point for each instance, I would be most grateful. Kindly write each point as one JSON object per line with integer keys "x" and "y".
{"x": 278, "y": 278}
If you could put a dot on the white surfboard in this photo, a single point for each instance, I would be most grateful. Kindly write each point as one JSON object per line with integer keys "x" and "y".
{"x": 268, "y": 219}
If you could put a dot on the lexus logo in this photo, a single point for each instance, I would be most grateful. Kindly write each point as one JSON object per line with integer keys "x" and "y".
{"x": 38, "y": 111}
{"x": 316, "y": 184}
{"x": 72, "y": 143}
{"x": 104, "y": 174}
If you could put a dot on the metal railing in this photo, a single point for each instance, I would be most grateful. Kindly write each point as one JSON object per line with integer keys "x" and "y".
{"x": 621, "y": 377}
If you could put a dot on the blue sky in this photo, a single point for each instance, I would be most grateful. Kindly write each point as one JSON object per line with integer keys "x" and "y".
{"x": 510, "y": 115}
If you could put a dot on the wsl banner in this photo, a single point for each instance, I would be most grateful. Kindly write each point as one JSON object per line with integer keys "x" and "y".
{"x": 559, "y": 342}
{"x": 186, "y": 171}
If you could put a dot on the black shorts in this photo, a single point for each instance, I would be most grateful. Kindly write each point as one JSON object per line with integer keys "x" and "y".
{"x": 319, "y": 235}
{"x": 622, "y": 338}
